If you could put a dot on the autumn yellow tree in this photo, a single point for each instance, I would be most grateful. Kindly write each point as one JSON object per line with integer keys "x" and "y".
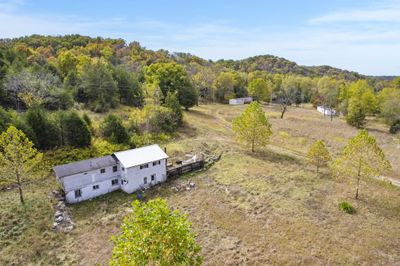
{"x": 319, "y": 154}
{"x": 252, "y": 127}
{"x": 260, "y": 89}
{"x": 361, "y": 158}
{"x": 17, "y": 156}
{"x": 152, "y": 234}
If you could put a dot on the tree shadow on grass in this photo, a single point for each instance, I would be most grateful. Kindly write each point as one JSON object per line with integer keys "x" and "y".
{"x": 275, "y": 157}
{"x": 200, "y": 114}
{"x": 187, "y": 130}
{"x": 377, "y": 130}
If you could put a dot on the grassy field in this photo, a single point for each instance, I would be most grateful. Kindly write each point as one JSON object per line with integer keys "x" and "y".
{"x": 249, "y": 208}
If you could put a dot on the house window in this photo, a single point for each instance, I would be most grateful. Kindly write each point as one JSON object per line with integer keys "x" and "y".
{"x": 96, "y": 187}
{"x": 153, "y": 177}
{"x": 114, "y": 182}
{"x": 123, "y": 169}
{"x": 102, "y": 171}
{"x": 144, "y": 166}
{"x": 78, "y": 193}
{"x": 156, "y": 163}
{"x": 115, "y": 168}
{"x": 145, "y": 180}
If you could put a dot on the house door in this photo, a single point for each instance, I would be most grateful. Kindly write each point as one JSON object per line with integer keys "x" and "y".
{"x": 153, "y": 180}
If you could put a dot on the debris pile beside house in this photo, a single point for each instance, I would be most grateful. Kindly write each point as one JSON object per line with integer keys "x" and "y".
{"x": 210, "y": 158}
{"x": 62, "y": 219}
{"x": 184, "y": 187}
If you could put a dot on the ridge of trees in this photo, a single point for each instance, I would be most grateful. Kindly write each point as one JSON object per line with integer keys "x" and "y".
{"x": 61, "y": 72}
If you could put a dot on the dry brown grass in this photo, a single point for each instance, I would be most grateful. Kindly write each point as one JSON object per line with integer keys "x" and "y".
{"x": 261, "y": 208}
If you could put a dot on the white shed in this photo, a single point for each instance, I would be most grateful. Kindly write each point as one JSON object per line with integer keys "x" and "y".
{"x": 238, "y": 101}
{"x": 326, "y": 110}
{"x": 127, "y": 170}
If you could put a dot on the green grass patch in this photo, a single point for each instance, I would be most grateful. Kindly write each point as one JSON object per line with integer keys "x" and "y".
{"x": 346, "y": 207}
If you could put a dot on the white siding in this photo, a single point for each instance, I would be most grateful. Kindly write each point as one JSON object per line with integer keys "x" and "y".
{"x": 83, "y": 179}
{"x": 86, "y": 181}
{"x": 135, "y": 176}
{"x": 88, "y": 192}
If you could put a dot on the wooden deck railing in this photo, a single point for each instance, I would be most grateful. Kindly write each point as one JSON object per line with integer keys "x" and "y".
{"x": 184, "y": 168}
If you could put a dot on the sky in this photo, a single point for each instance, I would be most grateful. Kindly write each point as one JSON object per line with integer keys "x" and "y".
{"x": 362, "y": 36}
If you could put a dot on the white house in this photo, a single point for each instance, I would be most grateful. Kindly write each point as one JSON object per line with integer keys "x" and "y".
{"x": 238, "y": 101}
{"x": 142, "y": 167}
{"x": 127, "y": 170}
{"x": 326, "y": 110}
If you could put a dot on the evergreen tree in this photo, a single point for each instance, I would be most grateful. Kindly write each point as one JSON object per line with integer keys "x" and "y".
{"x": 98, "y": 88}
{"x": 188, "y": 97}
{"x": 130, "y": 91}
{"x": 113, "y": 129}
{"x": 171, "y": 102}
{"x": 75, "y": 130}
{"x": 45, "y": 130}
{"x": 5, "y": 119}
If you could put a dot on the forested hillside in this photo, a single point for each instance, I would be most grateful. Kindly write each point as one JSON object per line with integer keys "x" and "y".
{"x": 69, "y": 73}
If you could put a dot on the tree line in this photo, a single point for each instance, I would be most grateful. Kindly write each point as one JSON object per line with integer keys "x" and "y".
{"x": 73, "y": 71}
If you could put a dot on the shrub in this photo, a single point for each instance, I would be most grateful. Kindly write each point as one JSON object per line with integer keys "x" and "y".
{"x": 149, "y": 138}
{"x": 101, "y": 147}
{"x": 346, "y": 207}
{"x": 395, "y": 127}
{"x": 163, "y": 121}
{"x": 113, "y": 129}
{"x": 153, "y": 119}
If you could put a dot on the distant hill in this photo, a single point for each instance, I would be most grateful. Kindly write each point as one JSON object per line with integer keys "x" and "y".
{"x": 49, "y": 46}
{"x": 278, "y": 65}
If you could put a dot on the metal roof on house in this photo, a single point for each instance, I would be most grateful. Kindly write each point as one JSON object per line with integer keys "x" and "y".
{"x": 140, "y": 156}
{"x": 83, "y": 166}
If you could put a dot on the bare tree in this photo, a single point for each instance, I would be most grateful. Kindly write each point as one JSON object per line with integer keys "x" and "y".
{"x": 286, "y": 94}
{"x": 30, "y": 88}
